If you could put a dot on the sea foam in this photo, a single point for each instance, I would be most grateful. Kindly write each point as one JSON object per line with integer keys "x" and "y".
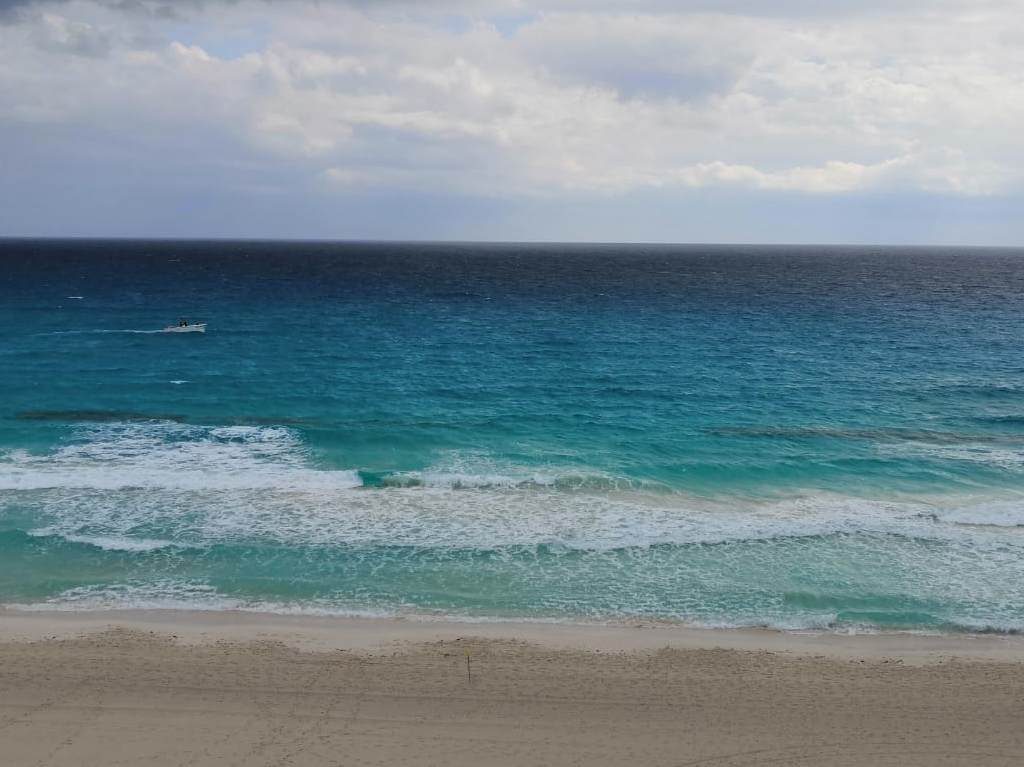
{"x": 172, "y": 456}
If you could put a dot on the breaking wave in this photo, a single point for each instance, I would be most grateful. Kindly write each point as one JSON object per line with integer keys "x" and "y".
{"x": 244, "y": 517}
{"x": 121, "y": 456}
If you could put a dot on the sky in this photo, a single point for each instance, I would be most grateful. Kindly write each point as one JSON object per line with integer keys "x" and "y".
{"x": 776, "y": 121}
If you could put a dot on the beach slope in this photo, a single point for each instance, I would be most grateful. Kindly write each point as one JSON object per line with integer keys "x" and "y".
{"x": 179, "y": 689}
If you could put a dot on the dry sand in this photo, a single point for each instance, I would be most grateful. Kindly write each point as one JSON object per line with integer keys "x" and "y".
{"x": 240, "y": 689}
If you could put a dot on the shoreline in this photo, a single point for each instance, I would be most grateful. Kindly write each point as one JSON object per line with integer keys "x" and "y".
{"x": 370, "y": 635}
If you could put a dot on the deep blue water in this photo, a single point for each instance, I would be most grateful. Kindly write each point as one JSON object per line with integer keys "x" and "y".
{"x": 722, "y": 435}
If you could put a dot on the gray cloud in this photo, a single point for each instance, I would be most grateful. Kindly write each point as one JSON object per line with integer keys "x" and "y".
{"x": 113, "y": 114}
{"x": 483, "y": 8}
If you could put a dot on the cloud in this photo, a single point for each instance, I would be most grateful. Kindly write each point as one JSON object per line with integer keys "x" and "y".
{"x": 61, "y": 35}
{"x": 509, "y": 99}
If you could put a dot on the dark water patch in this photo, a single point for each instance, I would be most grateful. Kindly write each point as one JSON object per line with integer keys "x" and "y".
{"x": 1010, "y": 419}
{"x": 130, "y": 416}
{"x": 96, "y": 416}
{"x": 983, "y": 391}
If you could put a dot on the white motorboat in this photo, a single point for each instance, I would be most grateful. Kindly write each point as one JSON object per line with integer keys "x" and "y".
{"x": 199, "y": 327}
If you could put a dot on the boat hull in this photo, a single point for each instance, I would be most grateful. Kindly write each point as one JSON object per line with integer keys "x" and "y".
{"x": 199, "y": 328}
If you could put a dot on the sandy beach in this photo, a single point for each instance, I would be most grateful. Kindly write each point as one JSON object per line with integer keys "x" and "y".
{"x": 177, "y": 688}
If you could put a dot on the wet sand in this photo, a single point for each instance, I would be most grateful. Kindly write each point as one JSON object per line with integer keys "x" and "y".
{"x": 179, "y": 688}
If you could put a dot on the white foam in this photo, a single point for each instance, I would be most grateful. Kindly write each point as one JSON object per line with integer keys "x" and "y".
{"x": 983, "y": 626}
{"x": 473, "y": 470}
{"x": 170, "y": 594}
{"x": 105, "y": 542}
{"x": 1004, "y": 457}
{"x": 483, "y": 519}
{"x": 795, "y": 622}
{"x": 173, "y": 456}
{"x": 145, "y": 486}
{"x": 157, "y": 595}
{"x": 990, "y": 514}
{"x": 124, "y": 483}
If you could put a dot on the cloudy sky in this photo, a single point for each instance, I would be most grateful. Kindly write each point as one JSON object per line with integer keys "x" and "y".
{"x": 637, "y": 120}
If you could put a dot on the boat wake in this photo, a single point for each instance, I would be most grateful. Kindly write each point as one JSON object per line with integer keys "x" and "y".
{"x": 97, "y": 331}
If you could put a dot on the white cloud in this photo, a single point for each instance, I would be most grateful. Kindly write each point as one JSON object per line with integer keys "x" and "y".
{"x": 517, "y": 99}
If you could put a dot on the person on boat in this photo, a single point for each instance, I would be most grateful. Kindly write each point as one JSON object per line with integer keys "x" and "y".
{"x": 182, "y": 323}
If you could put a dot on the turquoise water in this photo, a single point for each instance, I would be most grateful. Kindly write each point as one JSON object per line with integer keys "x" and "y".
{"x": 797, "y": 437}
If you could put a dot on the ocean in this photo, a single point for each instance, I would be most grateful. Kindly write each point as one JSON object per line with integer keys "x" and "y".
{"x": 795, "y": 437}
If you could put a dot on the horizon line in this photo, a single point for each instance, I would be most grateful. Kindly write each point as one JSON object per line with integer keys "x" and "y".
{"x": 372, "y": 241}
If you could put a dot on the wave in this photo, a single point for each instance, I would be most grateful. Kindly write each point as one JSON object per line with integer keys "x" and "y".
{"x": 168, "y": 455}
{"x": 104, "y": 542}
{"x": 146, "y": 484}
{"x": 990, "y": 390}
{"x": 1006, "y": 457}
{"x": 161, "y": 594}
{"x": 461, "y": 471}
{"x": 1006, "y": 419}
{"x": 547, "y": 521}
{"x": 205, "y": 485}
{"x": 174, "y": 594}
{"x": 1008, "y": 514}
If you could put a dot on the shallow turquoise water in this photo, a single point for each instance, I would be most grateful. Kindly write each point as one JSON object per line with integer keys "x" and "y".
{"x": 726, "y": 436}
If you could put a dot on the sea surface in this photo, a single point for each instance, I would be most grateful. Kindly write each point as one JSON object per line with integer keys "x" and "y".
{"x": 800, "y": 437}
